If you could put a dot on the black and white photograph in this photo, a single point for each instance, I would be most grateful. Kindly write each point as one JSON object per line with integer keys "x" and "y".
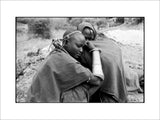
{"x": 80, "y": 60}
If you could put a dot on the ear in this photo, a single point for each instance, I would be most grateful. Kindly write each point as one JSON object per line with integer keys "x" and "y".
{"x": 65, "y": 42}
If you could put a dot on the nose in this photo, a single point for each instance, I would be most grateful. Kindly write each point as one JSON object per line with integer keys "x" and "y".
{"x": 81, "y": 50}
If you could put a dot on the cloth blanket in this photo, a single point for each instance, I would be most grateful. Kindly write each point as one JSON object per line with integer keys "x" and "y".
{"x": 59, "y": 73}
{"x": 114, "y": 82}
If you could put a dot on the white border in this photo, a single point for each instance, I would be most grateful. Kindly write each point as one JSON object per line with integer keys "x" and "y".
{"x": 12, "y": 110}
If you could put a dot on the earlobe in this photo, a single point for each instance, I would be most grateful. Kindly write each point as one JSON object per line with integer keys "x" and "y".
{"x": 65, "y": 42}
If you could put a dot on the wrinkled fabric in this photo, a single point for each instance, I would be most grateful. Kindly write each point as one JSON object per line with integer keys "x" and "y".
{"x": 132, "y": 80}
{"x": 77, "y": 94}
{"x": 59, "y": 73}
{"x": 114, "y": 83}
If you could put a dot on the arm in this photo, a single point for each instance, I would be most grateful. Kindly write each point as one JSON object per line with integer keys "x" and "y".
{"x": 96, "y": 65}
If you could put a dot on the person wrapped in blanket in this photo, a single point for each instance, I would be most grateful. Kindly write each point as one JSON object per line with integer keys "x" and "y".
{"x": 113, "y": 88}
{"x": 61, "y": 78}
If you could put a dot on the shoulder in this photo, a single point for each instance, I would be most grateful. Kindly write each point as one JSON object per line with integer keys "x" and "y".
{"x": 61, "y": 56}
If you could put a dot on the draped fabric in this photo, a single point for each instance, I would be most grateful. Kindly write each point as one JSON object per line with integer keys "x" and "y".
{"x": 59, "y": 73}
{"x": 114, "y": 83}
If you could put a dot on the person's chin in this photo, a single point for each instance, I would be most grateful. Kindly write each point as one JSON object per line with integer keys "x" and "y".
{"x": 74, "y": 56}
{"x": 77, "y": 56}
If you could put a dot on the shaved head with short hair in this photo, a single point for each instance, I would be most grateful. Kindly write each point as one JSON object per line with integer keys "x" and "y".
{"x": 74, "y": 44}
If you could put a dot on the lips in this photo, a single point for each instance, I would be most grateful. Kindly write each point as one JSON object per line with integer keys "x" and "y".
{"x": 78, "y": 55}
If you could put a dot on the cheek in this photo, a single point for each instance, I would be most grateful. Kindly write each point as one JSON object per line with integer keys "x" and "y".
{"x": 72, "y": 49}
{"x": 75, "y": 49}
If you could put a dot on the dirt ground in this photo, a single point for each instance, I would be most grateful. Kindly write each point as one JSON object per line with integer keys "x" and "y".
{"x": 31, "y": 53}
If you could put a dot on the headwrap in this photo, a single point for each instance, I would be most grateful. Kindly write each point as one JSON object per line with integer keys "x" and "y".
{"x": 70, "y": 32}
{"x": 84, "y": 25}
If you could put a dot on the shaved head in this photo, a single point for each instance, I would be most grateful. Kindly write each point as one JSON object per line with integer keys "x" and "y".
{"x": 74, "y": 45}
{"x": 77, "y": 36}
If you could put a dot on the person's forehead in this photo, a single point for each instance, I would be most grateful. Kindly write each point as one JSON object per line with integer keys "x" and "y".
{"x": 86, "y": 30}
{"x": 78, "y": 37}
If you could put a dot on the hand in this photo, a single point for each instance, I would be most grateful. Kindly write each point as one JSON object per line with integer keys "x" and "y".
{"x": 90, "y": 45}
{"x": 95, "y": 81}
